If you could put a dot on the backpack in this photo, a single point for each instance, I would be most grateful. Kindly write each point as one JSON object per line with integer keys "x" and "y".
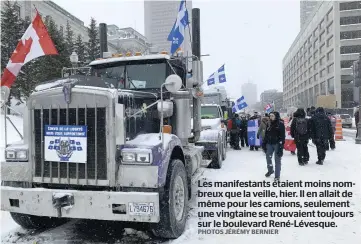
{"x": 301, "y": 126}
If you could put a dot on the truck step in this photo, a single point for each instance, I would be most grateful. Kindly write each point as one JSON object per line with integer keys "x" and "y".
{"x": 205, "y": 163}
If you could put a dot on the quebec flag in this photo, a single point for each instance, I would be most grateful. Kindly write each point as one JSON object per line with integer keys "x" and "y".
{"x": 217, "y": 77}
{"x": 269, "y": 108}
{"x": 240, "y": 104}
{"x": 176, "y": 35}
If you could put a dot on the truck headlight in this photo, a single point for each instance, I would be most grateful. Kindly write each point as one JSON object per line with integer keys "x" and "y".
{"x": 128, "y": 157}
{"x": 137, "y": 157}
{"x": 16, "y": 155}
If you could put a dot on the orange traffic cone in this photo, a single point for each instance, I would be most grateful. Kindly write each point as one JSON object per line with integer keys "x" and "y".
{"x": 338, "y": 133}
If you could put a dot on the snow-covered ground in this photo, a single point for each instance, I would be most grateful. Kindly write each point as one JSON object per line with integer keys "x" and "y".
{"x": 343, "y": 164}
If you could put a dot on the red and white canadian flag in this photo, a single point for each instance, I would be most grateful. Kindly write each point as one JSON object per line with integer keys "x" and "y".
{"x": 34, "y": 43}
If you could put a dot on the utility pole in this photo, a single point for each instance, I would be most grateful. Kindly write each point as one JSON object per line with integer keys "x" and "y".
{"x": 357, "y": 83}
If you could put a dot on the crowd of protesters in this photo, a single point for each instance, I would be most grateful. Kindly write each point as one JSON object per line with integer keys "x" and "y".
{"x": 272, "y": 133}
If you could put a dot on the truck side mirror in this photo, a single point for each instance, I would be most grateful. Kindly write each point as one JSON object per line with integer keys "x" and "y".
{"x": 173, "y": 83}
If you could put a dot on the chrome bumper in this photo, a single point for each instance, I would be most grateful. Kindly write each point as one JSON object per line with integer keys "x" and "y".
{"x": 86, "y": 204}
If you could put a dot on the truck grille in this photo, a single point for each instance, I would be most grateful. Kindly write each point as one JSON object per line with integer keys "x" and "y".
{"x": 96, "y": 166}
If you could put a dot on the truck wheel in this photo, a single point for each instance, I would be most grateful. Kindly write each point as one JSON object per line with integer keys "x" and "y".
{"x": 217, "y": 157}
{"x": 224, "y": 151}
{"x": 36, "y": 222}
{"x": 174, "y": 205}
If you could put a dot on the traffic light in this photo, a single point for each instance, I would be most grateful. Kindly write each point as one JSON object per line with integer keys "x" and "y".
{"x": 357, "y": 72}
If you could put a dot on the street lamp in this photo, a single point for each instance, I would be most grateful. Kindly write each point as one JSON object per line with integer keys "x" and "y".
{"x": 74, "y": 61}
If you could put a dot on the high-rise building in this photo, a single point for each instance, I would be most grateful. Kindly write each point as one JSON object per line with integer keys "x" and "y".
{"x": 320, "y": 59}
{"x": 48, "y": 8}
{"x": 272, "y": 96}
{"x": 249, "y": 91}
{"x": 159, "y": 18}
{"x": 306, "y": 9}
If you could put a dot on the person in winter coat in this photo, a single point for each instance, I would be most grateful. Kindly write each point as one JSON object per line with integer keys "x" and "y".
{"x": 357, "y": 120}
{"x": 331, "y": 143}
{"x": 262, "y": 130}
{"x": 290, "y": 145}
{"x": 243, "y": 131}
{"x": 274, "y": 139}
{"x": 258, "y": 118}
{"x": 233, "y": 127}
{"x": 300, "y": 131}
{"x": 321, "y": 132}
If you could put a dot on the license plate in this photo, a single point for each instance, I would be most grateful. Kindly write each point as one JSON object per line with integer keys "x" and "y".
{"x": 141, "y": 208}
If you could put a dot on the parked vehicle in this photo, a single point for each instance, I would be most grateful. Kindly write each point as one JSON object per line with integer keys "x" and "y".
{"x": 346, "y": 120}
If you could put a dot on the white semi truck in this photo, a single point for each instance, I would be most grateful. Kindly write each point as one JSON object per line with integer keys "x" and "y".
{"x": 112, "y": 145}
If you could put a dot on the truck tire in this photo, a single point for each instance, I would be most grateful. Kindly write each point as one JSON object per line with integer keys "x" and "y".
{"x": 173, "y": 208}
{"x": 36, "y": 222}
{"x": 217, "y": 156}
{"x": 224, "y": 151}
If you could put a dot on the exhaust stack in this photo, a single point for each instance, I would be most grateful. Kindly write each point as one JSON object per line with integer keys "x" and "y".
{"x": 103, "y": 32}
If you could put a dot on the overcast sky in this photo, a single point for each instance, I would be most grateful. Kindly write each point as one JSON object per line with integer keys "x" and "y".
{"x": 250, "y": 37}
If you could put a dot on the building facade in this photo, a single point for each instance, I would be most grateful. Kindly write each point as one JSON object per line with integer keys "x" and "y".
{"x": 249, "y": 91}
{"x": 306, "y": 9}
{"x": 272, "y": 96}
{"x": 159, "y": 18}
{"x": 320, "y": 59}
{"x": 58, "y": 14}
{"x": 126, "y": 40}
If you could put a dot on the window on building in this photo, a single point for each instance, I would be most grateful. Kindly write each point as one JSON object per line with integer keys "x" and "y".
{"x": 315, "y": 44}
{"x": 346, "y": 64}
{"x": 330, "y": 41}
{"x": 310, "y": 70}
{"x": 331, "y": 85}
{"x": 323, "y": 88}
{"x": 323, "y": 73}
{"x": 330, "y": 55}
{"x": 322, "y": 24}
{"x": 322, "y": 48}
{"x": 316, "y": 89}
{"x": 350, "y": 49}
{"x": 350, "y": 5}
{"x": 315, "y": 66}
{"x": 310, "y": 81}
{"x": 315, "y": 32}
{"x": 329, "y": 15}
{"x": 315, "y": 54}
{"x": 330, "y": 69}
{"x": 322, "y": 60}
{"x": 350, "y": 20}
{"x": 350, "y": 34}
{"x": 315, "y": 77}
{"x": 322, "y": 36}
{"x": 329, "y": 28}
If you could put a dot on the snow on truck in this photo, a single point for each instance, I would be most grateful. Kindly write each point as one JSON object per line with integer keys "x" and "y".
{"x": 113, "y": 145}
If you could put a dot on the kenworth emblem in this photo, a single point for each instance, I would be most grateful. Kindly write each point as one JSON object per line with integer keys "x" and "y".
{"x": 67, "y": 92}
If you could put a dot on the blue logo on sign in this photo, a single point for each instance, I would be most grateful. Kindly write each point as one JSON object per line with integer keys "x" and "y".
{"x": 65, "y": 148}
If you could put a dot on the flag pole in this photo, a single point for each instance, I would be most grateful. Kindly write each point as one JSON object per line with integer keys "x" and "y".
{"x": 36, "y": 9}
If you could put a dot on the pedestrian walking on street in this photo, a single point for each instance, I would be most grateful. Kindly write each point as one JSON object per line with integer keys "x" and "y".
{"x": 357, "y": 120}
{"x": 233, "y": 127}
{"x": 255, "y": 120}
{"x": 262, "y": 131}
{"x": 243, "y": 131}
{"x": 331, "y": 143}
{"x": 321, "y": 132}
{"x": 274, "y": 139}
{"x": 300, "y": 131}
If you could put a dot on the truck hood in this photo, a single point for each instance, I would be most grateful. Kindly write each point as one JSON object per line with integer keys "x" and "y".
{"x": 209, "y": 123}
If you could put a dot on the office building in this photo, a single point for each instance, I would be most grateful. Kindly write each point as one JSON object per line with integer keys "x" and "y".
{"x": 272, "y": 96}
{"x": 249, "y": 91}
{"x": 126, "y": 40}
{"x": 58, "y": 14}
{"x": 319, "y": 60}
{"x": 306, "y": 9}
{"x": 159, "y": 18}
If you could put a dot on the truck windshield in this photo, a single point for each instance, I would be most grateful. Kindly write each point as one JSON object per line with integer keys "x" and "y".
{"x": 209, "y": 112}
{"x": 133, "y": 76}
